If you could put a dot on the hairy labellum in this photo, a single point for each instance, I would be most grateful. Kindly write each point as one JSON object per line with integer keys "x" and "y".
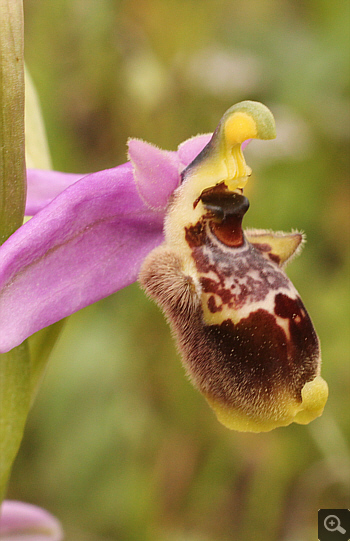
{"x": 246, "y": 339}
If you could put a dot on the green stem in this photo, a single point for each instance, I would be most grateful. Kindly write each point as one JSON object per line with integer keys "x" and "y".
{"x": 12, "y": 161}
{"x": 15, "y": 370}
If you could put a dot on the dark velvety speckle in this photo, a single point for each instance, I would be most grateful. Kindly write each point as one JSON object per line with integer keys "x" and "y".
{"x": 255, "y": 354}
{"x": 303, "y": 335}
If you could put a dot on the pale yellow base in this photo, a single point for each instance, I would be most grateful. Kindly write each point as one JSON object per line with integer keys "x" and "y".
{"x": 314, "y": 397}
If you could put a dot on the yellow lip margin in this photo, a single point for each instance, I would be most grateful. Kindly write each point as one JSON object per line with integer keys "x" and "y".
{"x": 285, "y": 411}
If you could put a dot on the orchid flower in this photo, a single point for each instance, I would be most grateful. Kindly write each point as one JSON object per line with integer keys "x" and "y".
{"x": 246, "y": 340}
{"x": 25, "y": 522}
{"x": 89, "y": 236}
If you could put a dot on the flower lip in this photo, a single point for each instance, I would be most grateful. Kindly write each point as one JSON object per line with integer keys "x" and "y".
{"x": 246, "y": 339}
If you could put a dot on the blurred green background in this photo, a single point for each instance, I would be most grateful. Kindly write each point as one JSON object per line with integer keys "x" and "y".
{"x": 118, "y": 444}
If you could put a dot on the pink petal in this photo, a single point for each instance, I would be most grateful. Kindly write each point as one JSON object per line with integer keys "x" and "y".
{"x": 44, "y": 186}
{"x": 188, "y": 150}
{"x": 24, "y": 522}
{"x": 157, "y": 172}
{"x": 87, "y": 243}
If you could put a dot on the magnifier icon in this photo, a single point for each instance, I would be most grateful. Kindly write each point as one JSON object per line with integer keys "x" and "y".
{"x": 332, "y": 524}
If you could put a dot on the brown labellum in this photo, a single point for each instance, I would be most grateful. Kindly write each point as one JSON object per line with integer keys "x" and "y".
{"x": 245, "y": 337}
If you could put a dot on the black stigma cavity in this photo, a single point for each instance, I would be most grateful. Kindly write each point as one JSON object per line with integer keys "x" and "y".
{"x": 224, "y": 204}
{"x": 227, "y": 210}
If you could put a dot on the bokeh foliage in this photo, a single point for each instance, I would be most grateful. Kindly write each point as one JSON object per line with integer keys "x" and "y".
{"x": 118, "y": 444}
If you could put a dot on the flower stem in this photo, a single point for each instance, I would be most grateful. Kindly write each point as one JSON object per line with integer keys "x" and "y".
{"x": 12, "y": 161}
{"x": 14, "y": 365}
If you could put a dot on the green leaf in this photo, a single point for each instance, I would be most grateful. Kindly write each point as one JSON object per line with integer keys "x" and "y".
{"x": 41, "y": 345}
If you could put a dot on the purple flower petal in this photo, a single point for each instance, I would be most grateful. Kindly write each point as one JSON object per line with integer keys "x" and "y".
{"x": 156, "y": 172}
{"x": 87, "y": 238}
{"x": 86, "y": 244}
{"x": 189, "y": 149}
{"x": 24, "y": 522}
{"x": 151, "y": 165}
{"x": 44, "y": 186}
